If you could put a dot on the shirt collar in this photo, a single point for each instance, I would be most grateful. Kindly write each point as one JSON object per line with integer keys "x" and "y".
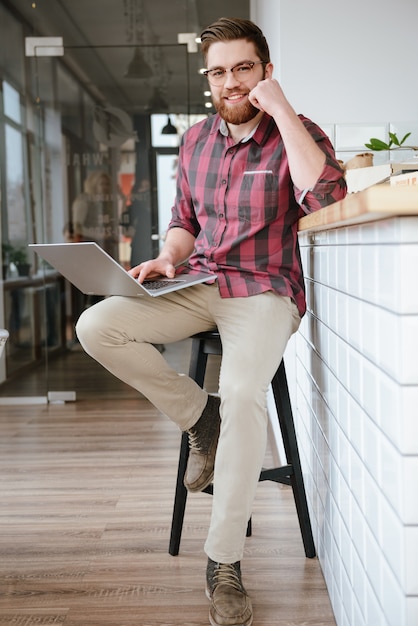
{"x": 257, "y": 132}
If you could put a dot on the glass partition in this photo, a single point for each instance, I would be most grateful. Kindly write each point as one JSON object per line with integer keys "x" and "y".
{"x": 81, "y": 166}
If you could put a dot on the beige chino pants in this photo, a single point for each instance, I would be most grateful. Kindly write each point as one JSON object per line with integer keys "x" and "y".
{"x": 119, "y": 332}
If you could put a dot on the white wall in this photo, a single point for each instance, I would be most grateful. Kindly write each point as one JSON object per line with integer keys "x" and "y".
{"x": 344, "y": 62}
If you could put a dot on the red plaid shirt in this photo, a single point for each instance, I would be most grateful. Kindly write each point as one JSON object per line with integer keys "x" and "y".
{"x": 240, "y": 203}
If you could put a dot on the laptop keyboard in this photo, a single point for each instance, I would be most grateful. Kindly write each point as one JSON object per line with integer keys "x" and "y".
{"x": 158, "y": 284}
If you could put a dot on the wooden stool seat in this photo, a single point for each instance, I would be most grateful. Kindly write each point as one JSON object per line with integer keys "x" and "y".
{"x": 203, "y": 345}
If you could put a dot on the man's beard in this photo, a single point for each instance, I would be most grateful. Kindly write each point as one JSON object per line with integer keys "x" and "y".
{"x": 238, "y": 114}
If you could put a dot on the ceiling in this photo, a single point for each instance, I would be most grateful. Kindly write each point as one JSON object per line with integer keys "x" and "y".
{"x": 100, "y": 38}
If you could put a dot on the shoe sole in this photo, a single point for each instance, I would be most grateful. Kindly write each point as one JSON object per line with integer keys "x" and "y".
{"x": 212, "y": 621}
{"x": 207, "y": 482}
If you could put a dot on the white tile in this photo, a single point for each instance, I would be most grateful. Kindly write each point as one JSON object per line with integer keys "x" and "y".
{"x": 336, "y": 556}
{"x": 391, "y": 409}
{"x": 408, "y": 231}
{"x": 408, "y": 437}
{"x": 388, "y": 277}
{"x": 408, "y": 295}
{"x": 368, "y": 235}
{"x": 373, "y": 566}
{"x": 334, "y": 481}
{"x": 332, "y": 396}
{"x": 322, "y": 268}
{"x": 374, "y": 613}
{"x": 320, "y": 303}
{"x": 342, "y": 414}
{"x": 354, "y": 271}
{"x": 354, "y": 136}
{"x": 408, "y": 490}
{"x": 333, "y": 270}
{"x": 342, "y": 236}
{"x": 411, "y": 564}
{"x": 372, "y": 439}
{"x": 358, "y": 529}
{"x": 329, "y": 574}
{"x": 344, "y": 459}
{"x": 357, "y": 483}
{"x": 389, "y": 349}
{"x": 370, "y": 341}
{"x": 392, "y": 542}
{"x": 332, "y": 352}
{"x": 323, "y": 333}
{"x": 337, "y": 607}
{"x": 385, "y": 231}
{"x": 342, "y": 261}
{"x": 393, "y": 599}
{"x": 342, "y": 373}
{"x": 355, "y": 378}
{"x": 333, "y": 312}
{"x": 408, "y": 362}
{"x": 354, "y": 322}
{"x": 342, "y": 319}
{"x": 332, "y": 237}
{"x": 347, "y": 592}
{"x": 372, "y": 498}
{"x": 353, "y": 234}
{"x": 391, "y": 474}
{"x": 411, "y": 611}
{"x": 358, "y": 618}
{"x": 357, "y": 430}
{"x": 369, "y": 272}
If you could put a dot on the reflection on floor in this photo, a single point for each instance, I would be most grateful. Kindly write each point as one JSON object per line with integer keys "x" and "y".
{"x": 74, "y": 370}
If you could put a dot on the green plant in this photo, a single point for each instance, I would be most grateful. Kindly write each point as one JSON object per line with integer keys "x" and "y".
{"x": 393, "y": 144}
{"x": 16, "y": 255}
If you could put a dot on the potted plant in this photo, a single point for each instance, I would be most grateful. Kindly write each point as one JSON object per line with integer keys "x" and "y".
{"x": 394, "y": 143}
{"x": 18, "y": 256}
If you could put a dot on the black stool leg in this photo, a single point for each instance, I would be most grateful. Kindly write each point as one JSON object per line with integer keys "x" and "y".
{"x": 197, "y": 370}
{"x": 287, "y": 427}
{"x": 179, "y": 498}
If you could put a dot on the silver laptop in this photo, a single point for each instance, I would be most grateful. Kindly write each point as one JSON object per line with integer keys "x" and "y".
{"x": 87, "y": 266}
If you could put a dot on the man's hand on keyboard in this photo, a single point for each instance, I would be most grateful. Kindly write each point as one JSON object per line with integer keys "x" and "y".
{"x": 159, "y": 267}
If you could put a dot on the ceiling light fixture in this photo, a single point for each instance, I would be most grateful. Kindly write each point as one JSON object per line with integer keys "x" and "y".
{"x": 169, "y": 129}
{"x": 157, "y": 102}
{"x": 136, "y": 31}
{"x": 138, "y": 67}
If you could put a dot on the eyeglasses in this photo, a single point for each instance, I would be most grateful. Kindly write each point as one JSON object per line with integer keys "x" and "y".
{"x": 241, "y": 72}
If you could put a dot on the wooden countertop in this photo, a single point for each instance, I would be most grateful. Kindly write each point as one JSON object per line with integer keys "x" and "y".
{"x": 375, "y": 203}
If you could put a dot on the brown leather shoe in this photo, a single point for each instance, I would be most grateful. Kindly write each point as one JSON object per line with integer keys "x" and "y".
{"x": 231, "y": 605}
{"x": 203, "y": 441}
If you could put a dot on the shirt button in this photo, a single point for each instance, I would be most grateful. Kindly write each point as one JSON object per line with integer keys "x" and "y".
{"x": 221, "y": 214}
{"x": 223, "y": 182}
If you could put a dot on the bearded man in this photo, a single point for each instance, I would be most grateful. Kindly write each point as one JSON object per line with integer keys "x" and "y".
{"x": 246, "y": 175}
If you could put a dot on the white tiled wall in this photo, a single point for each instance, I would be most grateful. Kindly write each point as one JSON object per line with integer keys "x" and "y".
{"x": 350, "y": 139}
{"x": 357, "y": 417}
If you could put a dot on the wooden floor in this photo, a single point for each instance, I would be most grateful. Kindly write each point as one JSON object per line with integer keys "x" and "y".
{"x": 86, "y": 494}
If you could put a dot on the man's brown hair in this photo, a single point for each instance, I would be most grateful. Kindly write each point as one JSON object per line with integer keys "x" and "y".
{"x": 231, "y": 28}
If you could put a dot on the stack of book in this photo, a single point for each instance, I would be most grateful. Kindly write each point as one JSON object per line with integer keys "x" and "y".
{"x": 395, "y": 173}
